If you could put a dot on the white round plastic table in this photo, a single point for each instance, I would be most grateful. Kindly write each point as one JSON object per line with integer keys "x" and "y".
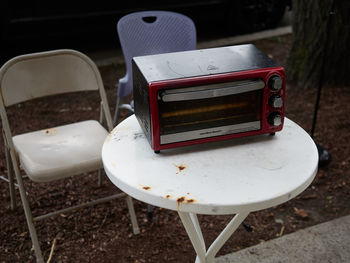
{"x": 237, "y": 176}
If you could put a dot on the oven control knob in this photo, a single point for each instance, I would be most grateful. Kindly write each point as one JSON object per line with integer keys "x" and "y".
{"x": 275, "y": 119}
{"x": 276, "y": 101}
{"x": 275, "y": 83}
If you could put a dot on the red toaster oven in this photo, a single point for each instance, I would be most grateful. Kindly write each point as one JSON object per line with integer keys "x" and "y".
{"x": 199, "y": 96}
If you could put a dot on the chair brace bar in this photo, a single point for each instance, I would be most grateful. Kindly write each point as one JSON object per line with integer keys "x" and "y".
{"x": 7, "y": 180}
{"x": 95, "y": 202}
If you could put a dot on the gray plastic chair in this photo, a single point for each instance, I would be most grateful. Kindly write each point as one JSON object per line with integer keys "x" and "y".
{"x": 148, "y": 33}
{"x": 53, "y": 153}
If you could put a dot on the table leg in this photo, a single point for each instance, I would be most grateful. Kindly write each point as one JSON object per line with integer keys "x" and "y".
{"x": 198, "y": 228}
{"x": 194, "y": 232}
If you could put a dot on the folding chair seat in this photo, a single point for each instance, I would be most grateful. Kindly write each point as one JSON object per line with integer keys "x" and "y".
{"x": 149, "y": 33}
{"x": 53, "y": 153}
{"x": 33, "y": 149}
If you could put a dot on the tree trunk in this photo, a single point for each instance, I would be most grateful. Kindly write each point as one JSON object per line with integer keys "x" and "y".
{"x": 321, "y": 42}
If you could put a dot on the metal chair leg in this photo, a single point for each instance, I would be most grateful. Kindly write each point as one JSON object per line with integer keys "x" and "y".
{"x": 149, "y": 213}
{"x": 102, "y": 120}
{"x": 11, "y": 179}
{"x": 27, "y": 211}
{"x": 100, "y": 178}
{"x": 115, "y": 117}
{"x": 135, "y": 226}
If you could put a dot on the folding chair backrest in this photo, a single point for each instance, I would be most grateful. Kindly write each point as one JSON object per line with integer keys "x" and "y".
{"x": 153, "y": 32}
{"x": 47, "y": 73}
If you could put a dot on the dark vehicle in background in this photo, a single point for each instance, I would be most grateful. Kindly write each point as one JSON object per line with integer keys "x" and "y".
{"x": 37, "y": 25}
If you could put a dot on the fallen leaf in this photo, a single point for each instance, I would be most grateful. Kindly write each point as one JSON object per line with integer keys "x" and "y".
{"x": 301, "y": 213}
{"x": 23, "y": 234}
{"x": 306, "y": 197}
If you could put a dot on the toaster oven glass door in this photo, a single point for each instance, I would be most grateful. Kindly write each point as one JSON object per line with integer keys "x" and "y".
{"x": 210, "y": 110}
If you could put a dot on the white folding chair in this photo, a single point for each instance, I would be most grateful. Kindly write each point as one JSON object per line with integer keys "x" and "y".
{"x": 59, "y": 152}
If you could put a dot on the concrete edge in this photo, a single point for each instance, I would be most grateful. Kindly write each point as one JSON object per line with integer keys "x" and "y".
{"x": 325, "y": 242}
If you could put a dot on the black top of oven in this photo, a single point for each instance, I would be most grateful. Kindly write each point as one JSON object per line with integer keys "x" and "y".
{"x": 202, "y": 62}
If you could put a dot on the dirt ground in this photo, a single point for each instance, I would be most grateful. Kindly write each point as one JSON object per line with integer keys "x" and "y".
{"x": 103, "y": 233}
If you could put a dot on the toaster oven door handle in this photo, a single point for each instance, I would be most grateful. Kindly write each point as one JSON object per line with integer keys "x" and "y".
{"x": 172, "y": 95}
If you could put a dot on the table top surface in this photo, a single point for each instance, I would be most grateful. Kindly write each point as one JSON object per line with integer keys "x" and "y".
{"x": 225, "y": 177}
